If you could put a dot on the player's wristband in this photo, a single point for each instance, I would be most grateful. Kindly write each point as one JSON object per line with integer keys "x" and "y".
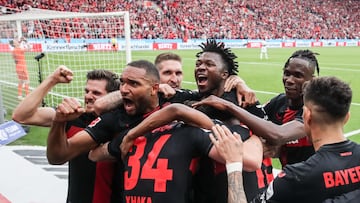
{"x": 235, "y": 166}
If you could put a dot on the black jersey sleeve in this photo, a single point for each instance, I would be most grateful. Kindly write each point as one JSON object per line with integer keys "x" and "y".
{"x": 187, "y": 135}
{"x": 242, "y": 131}
{"x": 350, "y": 197}
{"x": 257, "y": 110}
{"x": 103, "y": 128}
{"x": 273, "y": 106}
{"x": 114, "y": 145}
{"x": 286, "y": 186}
{"x": 181, "y": 96}
{"x": 203, "y": 140}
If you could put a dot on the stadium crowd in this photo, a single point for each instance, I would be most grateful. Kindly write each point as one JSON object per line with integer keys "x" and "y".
{"x": 186, "y": 19}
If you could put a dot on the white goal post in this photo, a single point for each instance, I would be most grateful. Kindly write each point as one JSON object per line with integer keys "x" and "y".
{"x": 81, "y": 41}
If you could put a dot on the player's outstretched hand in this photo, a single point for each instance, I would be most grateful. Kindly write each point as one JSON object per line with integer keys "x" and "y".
{"x": 68, "y": 109}
{"x": 229, "y": 145}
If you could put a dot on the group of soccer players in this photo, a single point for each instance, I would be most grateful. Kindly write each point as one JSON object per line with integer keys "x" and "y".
{"x": 151, "y": 145}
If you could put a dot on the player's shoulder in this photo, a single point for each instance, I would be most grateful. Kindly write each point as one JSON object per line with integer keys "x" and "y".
{"x": 350, "y": 197}
{"x": 187, "y": 127}
{"x": 299, "y": 171}
{"x": 279, "y": 101}
{"x": 279, "y": 98}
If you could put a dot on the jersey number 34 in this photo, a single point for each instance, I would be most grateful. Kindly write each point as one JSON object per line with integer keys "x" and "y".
{"x": 160, "y": 174}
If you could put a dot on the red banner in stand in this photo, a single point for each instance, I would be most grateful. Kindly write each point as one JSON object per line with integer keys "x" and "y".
{"x": 164, "y": 46}
{"x": 253, "y": 45}
{"x": 317, "y": 44}
{"x": 288, "y": 44}
{"x": 36, "y": 47}
{"x": 341, "y": 44}
{"x": 100, "y": 47}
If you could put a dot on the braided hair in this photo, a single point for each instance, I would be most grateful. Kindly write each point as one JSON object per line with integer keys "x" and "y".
{"x": 226, "y": 54}
{"x": 306, "y": 55}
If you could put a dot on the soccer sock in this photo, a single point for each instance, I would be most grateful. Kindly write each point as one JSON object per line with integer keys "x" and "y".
{"x": 26, "y": 88}
{"x": 20, "y": 89}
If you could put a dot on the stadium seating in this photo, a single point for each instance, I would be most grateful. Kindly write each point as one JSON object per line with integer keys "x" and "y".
{"x": 254, "y": 19}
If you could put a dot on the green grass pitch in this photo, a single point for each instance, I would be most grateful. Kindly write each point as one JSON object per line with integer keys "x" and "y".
{"x": 264, "y": 76}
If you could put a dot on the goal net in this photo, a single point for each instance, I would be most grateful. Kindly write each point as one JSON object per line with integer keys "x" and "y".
{"x": 81, "y": 41}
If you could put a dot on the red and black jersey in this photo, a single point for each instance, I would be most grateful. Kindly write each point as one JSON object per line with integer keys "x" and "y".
{"x": 211, "y": 177}
{"x": 104, "y": 128}
{"x": 210, "y": 180}
{"x": 333, "y": 171}
{"x": 85, "y": 181}
{"x": 278, "y": 112}
{"x": 158, "y": 167}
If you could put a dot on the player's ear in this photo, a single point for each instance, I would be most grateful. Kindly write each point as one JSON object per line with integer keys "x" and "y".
{"x": 347, "y": 117}
{"x": 155, "y": 89}
{"x": 225, "y": 74}
{"x": 307, "y": 115}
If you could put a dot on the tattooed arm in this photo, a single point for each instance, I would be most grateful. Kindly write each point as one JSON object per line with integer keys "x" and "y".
{"x": 236, "y": 193}
{"x": 230, "y": 147}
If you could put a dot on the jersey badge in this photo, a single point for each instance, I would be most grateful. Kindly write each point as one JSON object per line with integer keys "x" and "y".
{"x": 94, "y": 122}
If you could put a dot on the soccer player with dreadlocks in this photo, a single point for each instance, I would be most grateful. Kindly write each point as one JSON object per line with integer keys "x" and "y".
{"x": 285, "y": 132}
{"x": 214, "y": 65}
{"x": 158, "y": 167}
{"x": 331, "y": 174}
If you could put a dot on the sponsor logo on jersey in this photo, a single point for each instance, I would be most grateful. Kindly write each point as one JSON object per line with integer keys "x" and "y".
{"x": 94, "y": 122}
{"x": 342, "y": 177}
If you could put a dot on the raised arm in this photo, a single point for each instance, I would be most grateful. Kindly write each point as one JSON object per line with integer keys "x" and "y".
{"x": 29, "y": 111}
{"x": 108, "y": 102}
{"x": 114, "y": 99}
{"x": 164, "y": 116}
{"x": 272, "y": 133}
{"x": 180, "y": 112}
{"x": 157, "y": 119}
{"x": 61, "y": 149}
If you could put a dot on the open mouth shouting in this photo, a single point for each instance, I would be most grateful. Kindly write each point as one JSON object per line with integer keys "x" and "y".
{"x": 201, "y": 81}
{"x": 129, "y": 106}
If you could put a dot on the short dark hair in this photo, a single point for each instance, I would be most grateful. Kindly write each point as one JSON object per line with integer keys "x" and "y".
{"x": 112, "y": 79}
{"x": 166, "y": 56}
{"x": 226, "y": 54}
{"x": 330, "y": 95}
{"x": 308, "y": 56}
{"x": 149, "y": 67}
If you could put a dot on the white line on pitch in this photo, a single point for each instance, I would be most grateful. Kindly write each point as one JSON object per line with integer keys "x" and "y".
{"x": 352, "y": 133}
